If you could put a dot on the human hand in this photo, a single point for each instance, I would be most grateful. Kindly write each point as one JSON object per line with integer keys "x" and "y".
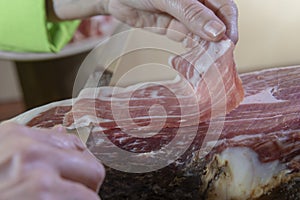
{"x": 38, "y": 164}
{"x": 209, "y": 19}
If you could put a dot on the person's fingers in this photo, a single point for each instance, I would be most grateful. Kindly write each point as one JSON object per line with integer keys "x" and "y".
{"x": 160, "y": 23}
{"x": 89, "y": 171}
{"x": 227, "y": 11}
{"x": 46, "y": 184}
{"x": 229, "y": 15}
{"x": 31, "y": 185}
{"x": 52, "y": 137}
{"x": 177, "y": 31}
{"x": 199, "y": 19}
{"x": 55, "y": 137}
{"x": 166, "y": 25}
{"x": 30, "y": 151}
{"x": 75, "y": 191}
{"x": 72, "y": 165}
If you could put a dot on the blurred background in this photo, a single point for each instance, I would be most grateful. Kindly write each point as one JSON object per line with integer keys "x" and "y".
{"x": 269, "y": 37}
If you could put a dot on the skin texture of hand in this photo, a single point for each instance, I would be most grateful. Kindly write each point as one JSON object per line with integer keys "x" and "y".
{"x": 38, "y": 164}
{"x": 60, "y": 10}
{"x": 209, "y": 19}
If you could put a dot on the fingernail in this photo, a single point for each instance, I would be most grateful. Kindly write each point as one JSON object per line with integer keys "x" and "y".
{"x": 214, "y": 28}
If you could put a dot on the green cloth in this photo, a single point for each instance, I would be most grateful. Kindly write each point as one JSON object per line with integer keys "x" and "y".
{"x": 24, "y": 27}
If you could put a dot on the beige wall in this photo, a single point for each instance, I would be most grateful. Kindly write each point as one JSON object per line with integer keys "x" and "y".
{"x": 269, "y": 33}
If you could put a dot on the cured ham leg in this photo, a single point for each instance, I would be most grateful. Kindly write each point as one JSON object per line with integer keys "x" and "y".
{"x": 258, "y": 150}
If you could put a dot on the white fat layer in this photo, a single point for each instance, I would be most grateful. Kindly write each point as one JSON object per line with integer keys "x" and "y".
{"x": 103, "y": 92}
{"x": 265, "y": 96}
{"x": 247, "y": 177}
{"x": 268, "y": 70}
{"x": 241, "y": 138}
{"x": 84, "y": 121}
{"x": 235, "y": 139}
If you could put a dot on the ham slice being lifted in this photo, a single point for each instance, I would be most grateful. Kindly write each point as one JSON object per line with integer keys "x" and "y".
{"x": 207, "y": 86}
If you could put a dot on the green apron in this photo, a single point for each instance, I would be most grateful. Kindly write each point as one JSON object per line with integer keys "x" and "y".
{"x": 24, "y": 27}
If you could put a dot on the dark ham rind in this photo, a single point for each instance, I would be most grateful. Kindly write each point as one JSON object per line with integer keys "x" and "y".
{"x": 267, "y": 122}
{"x": 207, "y": 86}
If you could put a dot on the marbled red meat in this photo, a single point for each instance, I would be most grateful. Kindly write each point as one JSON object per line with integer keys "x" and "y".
{"x": 257, "y": 150}
{"x": 50, "y": 118}
{"x": 267, "y": 122}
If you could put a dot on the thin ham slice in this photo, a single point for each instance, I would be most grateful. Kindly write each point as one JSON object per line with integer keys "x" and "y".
{"x": 207, "y": 86}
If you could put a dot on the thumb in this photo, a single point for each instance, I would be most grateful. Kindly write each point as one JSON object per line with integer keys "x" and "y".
{"x": 199, "y": 19}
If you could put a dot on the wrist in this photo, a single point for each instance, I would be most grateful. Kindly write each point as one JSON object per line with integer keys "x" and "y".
{"x": 75, "y": 9}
